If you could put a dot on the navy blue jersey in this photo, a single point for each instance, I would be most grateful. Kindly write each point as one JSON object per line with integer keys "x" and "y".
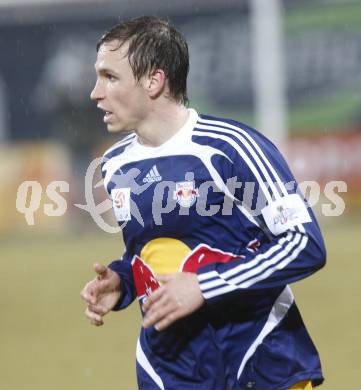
{"x": 219, "y": 200}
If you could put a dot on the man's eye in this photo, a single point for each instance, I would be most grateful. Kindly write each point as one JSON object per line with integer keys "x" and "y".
{"x": 110, "y": 77}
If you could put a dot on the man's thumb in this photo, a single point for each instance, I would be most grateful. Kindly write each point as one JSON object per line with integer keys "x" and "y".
{"x": 100, "y": 269}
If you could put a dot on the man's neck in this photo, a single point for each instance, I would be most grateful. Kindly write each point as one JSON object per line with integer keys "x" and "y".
{"x": 161, "y": 124}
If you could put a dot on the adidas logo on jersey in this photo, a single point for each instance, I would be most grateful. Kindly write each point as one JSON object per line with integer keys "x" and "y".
{"x": 152, "y": 176}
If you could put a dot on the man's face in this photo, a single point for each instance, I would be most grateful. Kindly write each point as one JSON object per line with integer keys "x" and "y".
{"x": 117, "y": 92}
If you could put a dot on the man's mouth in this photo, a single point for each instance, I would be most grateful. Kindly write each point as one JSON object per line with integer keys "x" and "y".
{"x": 107, "y": 116}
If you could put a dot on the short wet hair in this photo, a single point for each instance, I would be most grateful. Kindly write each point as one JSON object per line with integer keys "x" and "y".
{"x": 154, "y": 44}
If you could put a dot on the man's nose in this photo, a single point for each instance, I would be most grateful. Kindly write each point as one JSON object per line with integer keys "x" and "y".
{"x": 96, "y": 93}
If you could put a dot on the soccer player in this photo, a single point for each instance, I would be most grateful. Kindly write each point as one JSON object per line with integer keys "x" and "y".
{"x": 214, "y": 227}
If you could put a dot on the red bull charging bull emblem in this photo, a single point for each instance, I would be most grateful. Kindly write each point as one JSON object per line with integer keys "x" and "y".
{"x": 185, "y": 193}
{"x": 145, "y": 279}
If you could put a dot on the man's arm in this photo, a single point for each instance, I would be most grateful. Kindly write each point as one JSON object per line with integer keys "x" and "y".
{"x": 289, "y": 257}
{"x": 294, "y": 248}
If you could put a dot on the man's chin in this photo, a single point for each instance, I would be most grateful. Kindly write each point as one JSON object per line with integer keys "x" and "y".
{"x": 114, "y": 129}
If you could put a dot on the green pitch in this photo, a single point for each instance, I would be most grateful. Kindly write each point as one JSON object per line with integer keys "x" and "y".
{"x": 46, "y": 342}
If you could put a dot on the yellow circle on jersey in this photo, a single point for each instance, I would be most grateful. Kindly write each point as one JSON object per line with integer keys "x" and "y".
{"x": 165, "y": 255}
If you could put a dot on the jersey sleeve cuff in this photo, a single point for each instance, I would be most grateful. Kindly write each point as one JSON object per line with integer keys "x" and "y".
{"x": 124, "y": 271}
{"x": 211, "y": 284}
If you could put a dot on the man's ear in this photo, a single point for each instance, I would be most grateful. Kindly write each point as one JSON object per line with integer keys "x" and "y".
{"x": 155, "y": 83}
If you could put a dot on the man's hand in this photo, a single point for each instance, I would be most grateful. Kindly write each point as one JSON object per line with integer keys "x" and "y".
{"x": 178, "y": 297}
{"x": 101, "y": 294}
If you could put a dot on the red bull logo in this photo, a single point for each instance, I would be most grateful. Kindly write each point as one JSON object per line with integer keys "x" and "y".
{"x": 167, "y": 255}
{"x": 203, "y": 255}
{"x": 144, "y": 278}
{"x": 185, "y": 193}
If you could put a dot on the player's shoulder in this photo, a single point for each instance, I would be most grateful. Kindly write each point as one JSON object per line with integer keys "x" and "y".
{"x": 116, "y": 150}
{"x": 226, "y": 132}
{"x": 119, "y": 147}
{"x": 212, "y": 123}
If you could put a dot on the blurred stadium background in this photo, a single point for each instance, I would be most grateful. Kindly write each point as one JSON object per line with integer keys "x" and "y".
{"x": 290, "y": 68}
